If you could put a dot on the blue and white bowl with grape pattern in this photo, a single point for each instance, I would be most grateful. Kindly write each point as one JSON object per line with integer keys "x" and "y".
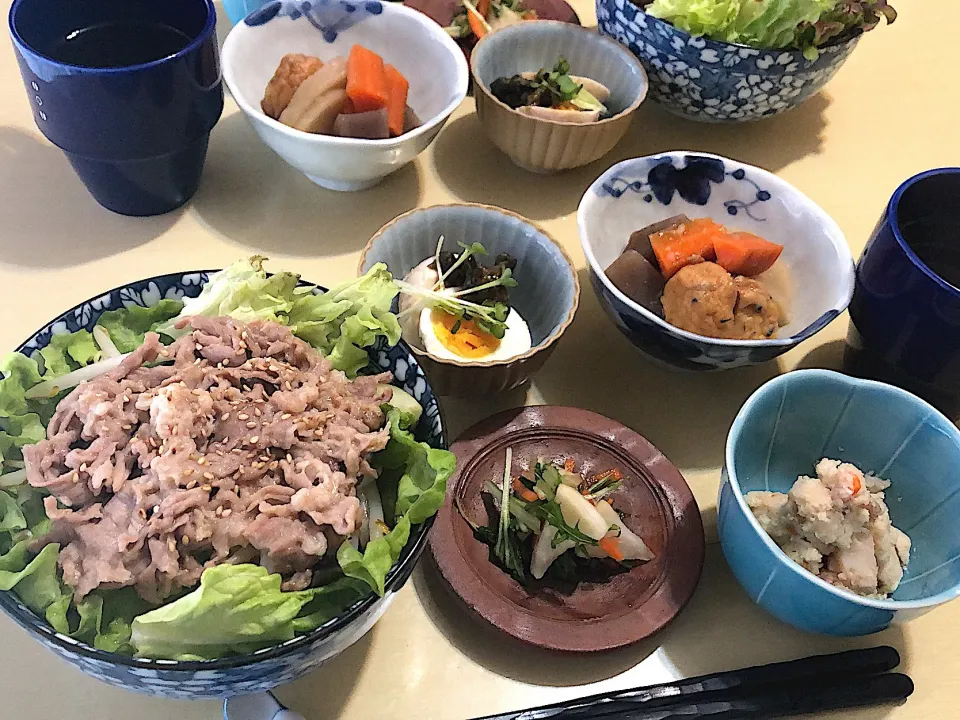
{"x": 713, "y": 81}
{"x": 273, "y": 666}
{"x": 813, "y": 279}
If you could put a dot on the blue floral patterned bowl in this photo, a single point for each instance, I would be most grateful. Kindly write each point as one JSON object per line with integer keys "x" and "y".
{"x": 712, "y": 81}
{"x": 271, "y": 666}
{"x": 781, "y": 432}
{"x": 813, "y": 279}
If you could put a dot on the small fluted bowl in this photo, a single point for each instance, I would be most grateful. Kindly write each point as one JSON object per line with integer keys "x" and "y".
{"x": 780, "y": 433}
{"x": 271, "y": 666}
{"x": 411, "y": 41}
{"x": 547, "y": 146}
{"x": 816, "y": 268}
{"x": 712, "y": 81}
{"x": 546, "y": 296}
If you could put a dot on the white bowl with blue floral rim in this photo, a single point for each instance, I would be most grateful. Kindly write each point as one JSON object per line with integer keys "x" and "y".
{"x": 272, "y": 666}
{"x": 816, "y": 265}
{"x": 712, "y": 81}
{"x": 418, "y": 47}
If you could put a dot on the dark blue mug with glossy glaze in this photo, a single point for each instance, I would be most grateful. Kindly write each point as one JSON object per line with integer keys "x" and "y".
{"x": 128, "y": 89}
{"x": 905, "y": 313}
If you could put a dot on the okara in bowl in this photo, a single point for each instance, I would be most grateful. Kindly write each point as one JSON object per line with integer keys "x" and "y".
{"x": 781, "y": 432}
{"x": 814, "y": 274}
{"x": 405, "y": 38}
{"x": 543, "y": 145}
{"x": 711, "y": 81}
{"x": 546, "y": 296}
{"x": 272, "y": 666}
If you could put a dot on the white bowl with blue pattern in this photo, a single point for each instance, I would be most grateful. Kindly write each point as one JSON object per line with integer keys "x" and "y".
{"x": 639, "y": 192}
{"x": 412, "y": 42}
{"x": 781, "y": 432}
{"x": 267, "y": 668}
{"x": 711, "y": 81}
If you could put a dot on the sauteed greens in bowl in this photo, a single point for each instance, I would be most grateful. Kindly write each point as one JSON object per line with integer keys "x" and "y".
{"x": 215, "y": 475}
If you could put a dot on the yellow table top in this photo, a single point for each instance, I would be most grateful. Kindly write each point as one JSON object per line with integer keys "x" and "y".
{"x": 889, "y": 113}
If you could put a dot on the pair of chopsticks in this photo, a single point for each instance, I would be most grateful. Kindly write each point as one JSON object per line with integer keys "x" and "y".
{"x": 815, "y": 684}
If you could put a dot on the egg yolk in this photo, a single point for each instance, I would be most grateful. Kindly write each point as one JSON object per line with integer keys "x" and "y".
{"x": 469, "y": 340}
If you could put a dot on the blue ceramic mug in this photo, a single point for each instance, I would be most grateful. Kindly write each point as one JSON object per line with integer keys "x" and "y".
{"x": 905, "y": 313}
{"x": 128, "y": 89}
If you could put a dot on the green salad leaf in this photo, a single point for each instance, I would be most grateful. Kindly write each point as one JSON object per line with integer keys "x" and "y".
{"x": 372, "y": 565}
{"x": 237, "y": 608}
{"x": 756, "y": 23}
{"x": 67, "y": 352}
{"x": 128, "y": 325}
{"x": 350, "y": 317}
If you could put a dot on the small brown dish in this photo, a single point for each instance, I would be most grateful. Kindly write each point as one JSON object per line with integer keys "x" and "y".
{"x": 548, "y": 146}
{"x": 655, "y": 502}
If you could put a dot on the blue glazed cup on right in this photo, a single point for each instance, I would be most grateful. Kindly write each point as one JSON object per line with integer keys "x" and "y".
{"x": 134, "y": 126}
{"x": 905, "y": 312}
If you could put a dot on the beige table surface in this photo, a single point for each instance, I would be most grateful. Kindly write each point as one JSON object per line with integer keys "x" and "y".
{"x": 890, "y": 112}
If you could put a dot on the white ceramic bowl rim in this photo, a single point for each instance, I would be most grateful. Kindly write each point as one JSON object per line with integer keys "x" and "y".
{"x": 736, "y": 430}
{"x": 439, "y": 35}
{"x": 628, "y": 58}
{"x": 835, "y": 234}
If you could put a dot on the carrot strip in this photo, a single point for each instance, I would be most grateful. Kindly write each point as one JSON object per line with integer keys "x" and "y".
{"x": 478, "y": 23}
{"x": 611, "y": 546}
{"x": 569, "y": 464}
{"x": 397, "y": 89}
{"x": 483, "y": 7}
{"x": 523, "y": 492}
{"x": 857, "y": 484}
{"x": 366, "y": 80}
{"x": 686, "y": 244}
{"x": 743, "y": 253}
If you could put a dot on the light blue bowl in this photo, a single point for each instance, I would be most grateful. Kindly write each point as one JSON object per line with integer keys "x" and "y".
{"x": 780, "y": 433}
{"x": 237, "y": 10}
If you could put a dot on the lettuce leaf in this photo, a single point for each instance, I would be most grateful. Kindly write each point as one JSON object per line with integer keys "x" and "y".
{"x": 756, "y": 23}
{"x": 412, "y": 479}
{"x": 237, "y": 608}
{"x": 128, "y": 325}
{"x": 21, "y": 420}
{"x": 350, "y": 317}
{"x": 67, "y": 352}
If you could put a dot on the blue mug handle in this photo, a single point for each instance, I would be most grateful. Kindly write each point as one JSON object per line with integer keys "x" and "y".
{"x": 257, "y": 706}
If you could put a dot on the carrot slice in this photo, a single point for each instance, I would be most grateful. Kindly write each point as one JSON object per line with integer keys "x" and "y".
{"x": 523, "y": 492}
{"x": 366, "y": 80}
{"x": 685, "y": 244}
{"x": 569, "y": 464}
{"x": 478, "y": 22}
{"x": 611, "y": 546}
{"x": 483, "y": 7}
{"x": 397, "y": 89}
{"x": 743, "y": 253}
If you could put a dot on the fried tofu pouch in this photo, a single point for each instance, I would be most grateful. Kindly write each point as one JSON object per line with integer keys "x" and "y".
{"x": 294, "y": 68}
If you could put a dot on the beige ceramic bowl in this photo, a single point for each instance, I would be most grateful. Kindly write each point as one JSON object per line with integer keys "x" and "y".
{"x": 545, "y": 146}
{"x": 546, "y": 296}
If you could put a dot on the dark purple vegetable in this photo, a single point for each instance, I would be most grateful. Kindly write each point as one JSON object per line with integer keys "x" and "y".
{"x": 638, "y": 279}
{"x": 410, "y": 120}
{"x": 372, "y": 125}
{"x": 640, "y": 239}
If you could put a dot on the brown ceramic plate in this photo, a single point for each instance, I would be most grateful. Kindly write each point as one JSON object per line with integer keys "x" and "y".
{"x": 655, "y": 502}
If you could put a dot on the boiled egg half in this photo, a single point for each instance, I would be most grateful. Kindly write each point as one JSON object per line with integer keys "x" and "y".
{"x": 444, "y": 338}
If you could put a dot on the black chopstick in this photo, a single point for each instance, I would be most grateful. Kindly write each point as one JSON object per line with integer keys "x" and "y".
{"x": 797, "y": 700}
{"x": 852, "y": 663}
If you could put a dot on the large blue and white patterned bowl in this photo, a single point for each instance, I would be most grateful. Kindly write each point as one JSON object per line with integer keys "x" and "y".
{"x": 272, "y": 666}
{"x": 781, "y": 432}
{"x": 815, "y": 271}
{"x": 418, "y": 47}
{"x": 713, "y": 81}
